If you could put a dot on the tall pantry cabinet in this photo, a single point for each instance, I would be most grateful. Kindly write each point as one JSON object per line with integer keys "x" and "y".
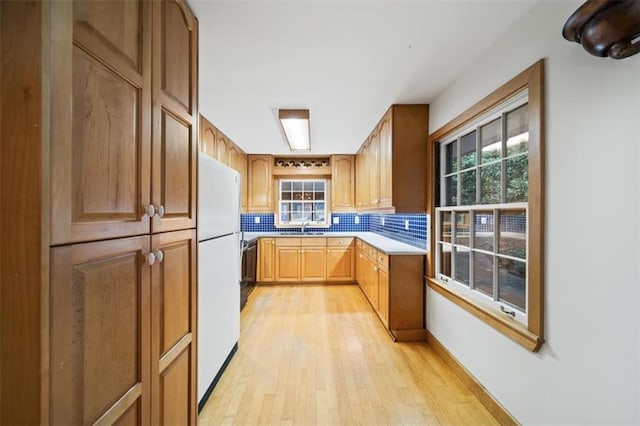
{"x": 119, "y": 307}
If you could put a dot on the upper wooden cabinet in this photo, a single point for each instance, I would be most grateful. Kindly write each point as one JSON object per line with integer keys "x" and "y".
{"x": 391, "y": 166}
{"x": 174, "y": 115}
{"x": 260, "y": 183}
{"x": 342, "y": 183}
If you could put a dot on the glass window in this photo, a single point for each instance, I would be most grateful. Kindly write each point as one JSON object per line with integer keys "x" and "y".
{"x": 302, "y": 201}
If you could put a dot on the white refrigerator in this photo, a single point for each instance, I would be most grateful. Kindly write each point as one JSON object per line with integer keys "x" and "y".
{"x": 219, "y": 266}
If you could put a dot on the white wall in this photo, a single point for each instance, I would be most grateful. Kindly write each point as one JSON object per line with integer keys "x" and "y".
{"x": 588, "y": 371}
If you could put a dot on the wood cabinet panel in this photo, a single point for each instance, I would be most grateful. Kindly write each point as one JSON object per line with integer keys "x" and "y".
{"x": 117, "y": 22}
{"x": 244, "y": 196}
{"x": 175, "y": 396}
{"x": 340, "y": 263}
{"x": 313, "y": 264}
{"x": 177, "y": 62}
{"x": 100, "y": 148}
{"x": 342, "y": 183}
{"x": 373, "y": 167}
{"x": 260, "y": 185}
{"x": 100, "y": 328}
{"x": 384, "y": 162}
{"x": 266, "y": 259}
{"x": 383, "y": 295}
{"x": 174, "y": 116}
{"x": 287, "y": 260}
{"x": 207, "y": 140}
{"x": 173, "y": 327}
{"x": 222, "y": 149}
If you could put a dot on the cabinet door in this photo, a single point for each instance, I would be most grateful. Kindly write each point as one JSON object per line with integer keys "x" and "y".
{"x": 361, "y": 182}
{"x": 233, "y": 156}
{"x": 383, "y": 295}
{"x": 173, "y": 329}
{"x": 260, "y": 186}
{"x": 373, "y": 283}
{"x": 175, "y": 47}
{"x": 384, "y": 159}
{"x": 222, "y": 147}
{"x": 340, "y": 264}
{"x": 342, "y": 183}
{"x": 207, "y": 140}
{"x": 101, "y": 106}
{"x": 374, "y": 169}
{"x": 313, "y": 264}
{"x": 266, "y": 262}
{"x": 287, "y": 264}
{"x": 242, "y": 162}
{"x": 100, "y": 328}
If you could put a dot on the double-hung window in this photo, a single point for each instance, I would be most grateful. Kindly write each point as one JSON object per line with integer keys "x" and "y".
{"x": 302, "y": 201}
{"x": 481, "y": 221}
{"x": 488, "y": 209}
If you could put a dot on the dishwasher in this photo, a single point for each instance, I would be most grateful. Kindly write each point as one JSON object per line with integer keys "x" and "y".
{"x": 249, "y": 264}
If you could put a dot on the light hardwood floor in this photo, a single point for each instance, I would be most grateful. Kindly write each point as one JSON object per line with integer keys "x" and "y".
{"x": 313, "y": 354}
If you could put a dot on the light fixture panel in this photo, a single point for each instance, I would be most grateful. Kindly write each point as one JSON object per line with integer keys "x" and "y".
{"x": 295, "y": 123}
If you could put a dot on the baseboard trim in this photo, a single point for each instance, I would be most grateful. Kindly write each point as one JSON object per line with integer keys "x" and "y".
{"x": 475, "y": 387}
{"x": 215, "y": 380}
{"x": 408, "y": 335}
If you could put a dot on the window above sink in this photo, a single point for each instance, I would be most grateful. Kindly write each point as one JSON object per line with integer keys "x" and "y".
{"x": 302, "y": 203}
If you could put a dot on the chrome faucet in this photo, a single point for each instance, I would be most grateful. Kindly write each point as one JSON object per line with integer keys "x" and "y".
{"x": 304, "y": 225}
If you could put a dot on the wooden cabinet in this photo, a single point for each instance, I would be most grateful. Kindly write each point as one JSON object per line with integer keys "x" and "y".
{"x": 260, "y": 183}
{"x": 287, "y": 259}
{"x": 173, "y": 328}
{"x": 342, "y": 183}
{"x": 391, "y": 165}
{"x": 229, "y": 153}
{"x": 100, "y": 324}
{"x": 393, "y": 284}
{"x": 266, "y": 259}
{"x": 340, "y": 259}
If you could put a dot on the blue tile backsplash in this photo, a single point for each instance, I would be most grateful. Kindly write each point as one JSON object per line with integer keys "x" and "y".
{"x": 393, "y": 227}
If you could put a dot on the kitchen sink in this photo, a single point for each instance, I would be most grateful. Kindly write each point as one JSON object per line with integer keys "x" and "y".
{"x": 299, "y": 233}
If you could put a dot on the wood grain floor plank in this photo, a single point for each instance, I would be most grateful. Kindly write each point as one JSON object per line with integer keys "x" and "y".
{"x": 318, "y": 355}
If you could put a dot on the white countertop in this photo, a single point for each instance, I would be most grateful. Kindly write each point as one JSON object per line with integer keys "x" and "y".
{"x": 384, "y": 244}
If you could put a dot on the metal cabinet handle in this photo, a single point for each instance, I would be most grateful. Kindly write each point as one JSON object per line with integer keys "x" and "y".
{"x": 151, "y": 259}
{"x": 159, "y": 256}
{"x": 375, "y": 268}
{"x": 160, "y": 210}
{"x": 150, "y": 210}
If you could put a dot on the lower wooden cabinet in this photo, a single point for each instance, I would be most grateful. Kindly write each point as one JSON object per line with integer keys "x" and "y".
{"x": 287, "y": 263}
{"x": 266, "y": 260}
{"x": 313, "y": 264}
{"x": 122, "y": 324}
{"x": 340, "y": 259}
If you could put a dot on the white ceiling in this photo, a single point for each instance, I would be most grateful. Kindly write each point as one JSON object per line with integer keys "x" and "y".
{"x": 345, "y": 61}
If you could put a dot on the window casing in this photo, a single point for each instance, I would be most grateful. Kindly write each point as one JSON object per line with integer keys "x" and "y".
{"x": 481, "y": 220}
{"x": 488, "y": 210}
{"x": 303, "y": 201}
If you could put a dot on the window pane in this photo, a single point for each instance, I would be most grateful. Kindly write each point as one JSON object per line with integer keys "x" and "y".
{"x": 513, "y": 233}
{"x": 445, "y": 260}
{"x": 490, "y": 183}
{"x": 307, "y": 208}
{"x": 445, "y": 226}
{"x": 286, "y": 195}
{"x": 517, "y": 179}
{"x": 512, "y": 275}
{"x": 491, "y": 141}
{"x": 462, "y": 264}
{"x": 468, "y": 155}
{"x": 319, "y": 186}
{"x": 286, "y": 186}
{"x": 484, "y": 230}
{"x": 451, "y": 155}
{"x": 308, "y": 186}
{"x": 297, "y": 186}
{"x": 483, "y": 272}
{"x": 468, "y": 195}
{"x": 518, "y": 130}
{"x": 308, "y": 195}
{"x": 452, "y": 190}
{"x": 319, "y": 195}
{"x": 462, "y": 228}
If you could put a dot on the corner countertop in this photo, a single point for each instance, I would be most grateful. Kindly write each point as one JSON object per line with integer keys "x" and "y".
{"x": 384, "y": 244}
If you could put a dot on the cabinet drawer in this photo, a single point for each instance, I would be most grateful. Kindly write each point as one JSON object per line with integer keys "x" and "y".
{"x": 337, "y": 241}
{"x": 371, "y": 251}
{"x": 313, "y": 242}
{"x": 383, "y": 260}
{"x": 287, "y": 242}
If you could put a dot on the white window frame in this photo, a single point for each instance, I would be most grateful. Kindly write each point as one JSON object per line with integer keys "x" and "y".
{"x": 500, "y": 111}
{"x": 316, "y": 224}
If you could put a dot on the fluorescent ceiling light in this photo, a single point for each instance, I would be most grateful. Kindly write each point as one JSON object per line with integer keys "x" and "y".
{"x": 295, "y": 123}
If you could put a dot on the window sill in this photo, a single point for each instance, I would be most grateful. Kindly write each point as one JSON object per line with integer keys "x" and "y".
{"x": 510, "y": 328}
